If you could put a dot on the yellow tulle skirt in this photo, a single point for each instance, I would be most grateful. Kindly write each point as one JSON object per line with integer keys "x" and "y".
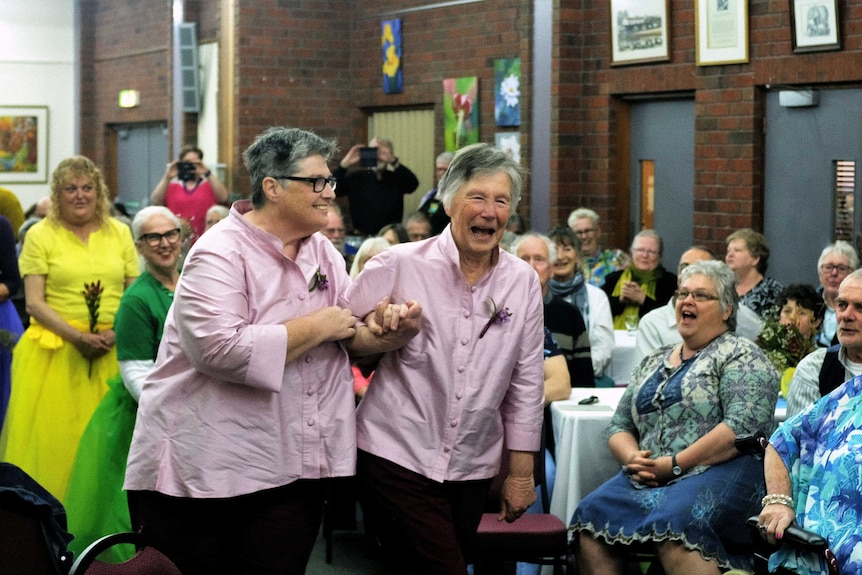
{"x": 55, "y": 391}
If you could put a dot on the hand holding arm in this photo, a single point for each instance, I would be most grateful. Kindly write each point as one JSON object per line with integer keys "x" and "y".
{"x": 519, "y": 489}
{"x": 387, "y": 328}
{"x": 326, "y": 324}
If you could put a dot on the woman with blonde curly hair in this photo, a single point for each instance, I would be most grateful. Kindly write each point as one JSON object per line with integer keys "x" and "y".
{"x": 76, "y": 263}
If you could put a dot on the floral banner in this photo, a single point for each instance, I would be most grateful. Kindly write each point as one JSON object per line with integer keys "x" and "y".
{"x": 393, "y": 80}
{"x": 507, "y": 92}
{"x": 460, "y": 112}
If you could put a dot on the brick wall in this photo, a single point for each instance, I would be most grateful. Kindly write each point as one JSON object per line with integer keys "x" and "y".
{"x": 316, "y": 65}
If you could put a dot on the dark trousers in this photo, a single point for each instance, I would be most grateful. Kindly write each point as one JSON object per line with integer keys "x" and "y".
{"x": 425, "y": 527}
{"x": 269, "y": 532}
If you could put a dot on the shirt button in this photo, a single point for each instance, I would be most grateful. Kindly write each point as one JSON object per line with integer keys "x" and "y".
{"x": 461, "y": 369}
{"x": 459, "y": 395}
{"x": 310, "y": 391}
{"x": 453, "y": 423}
{"x": 310, "y": 422}
{"x": 308, "y": 359}
{"x": 446, "y": 449}
{"x": 466, "y": 314}
{"x": 465, "y": 341}
{"x": 301, "y": 296}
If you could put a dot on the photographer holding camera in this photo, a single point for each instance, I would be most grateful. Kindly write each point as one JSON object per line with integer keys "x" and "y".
{"x": 375, "y": 182}
{"x": 189, "y": 189}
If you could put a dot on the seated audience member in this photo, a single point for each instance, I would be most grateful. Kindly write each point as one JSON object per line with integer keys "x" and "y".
{"x": 748, "y": 256}
{"x": 369, "y": 248}
{"x": 790, "y": 337}
{"x": 216, "y": 214}
{"x": 812, "y": 476}
{"x": 431, "y": 203}
{"x": 515, "y": 224}
{"x": 189, "y": 194}
{"x": 835, "y": 263}
{"x": 568, "y": 283}
{"x": 644, "y": 285}
{"x": 376, "y": 193}
{"x": 334, "y": 229}
{"x": 825, "y": 369}
{"x": 597, "y": 263}
{"x": 658, "y": 327}
{"x": 418, "y": 227}
{"x": 394, "y": 234}
{"x": 96, "y": 503}
{"x": 673, "y": 434}
{"x": 562, "y": 318}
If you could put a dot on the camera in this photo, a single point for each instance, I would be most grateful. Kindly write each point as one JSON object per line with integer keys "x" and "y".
{"x": 368, "y": 157}
{"x": 186, "y": 171}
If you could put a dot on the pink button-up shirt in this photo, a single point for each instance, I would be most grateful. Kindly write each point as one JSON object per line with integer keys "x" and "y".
{"x": 442, "y": 405}
{"x": 222, "y": 415}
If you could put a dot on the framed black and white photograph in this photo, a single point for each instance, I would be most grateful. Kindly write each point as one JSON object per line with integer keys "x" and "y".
{"x": 721, "y": 32}
{"x": 815, "y": 25}
{"x": 640, "y": 31}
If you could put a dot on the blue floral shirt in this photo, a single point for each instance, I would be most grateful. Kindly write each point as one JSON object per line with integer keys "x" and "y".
{"x": 822, "y": 449}
{"x": 606, "y": 262}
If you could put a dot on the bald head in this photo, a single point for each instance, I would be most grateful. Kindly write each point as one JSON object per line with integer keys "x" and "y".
{"x": 694, "y": 254}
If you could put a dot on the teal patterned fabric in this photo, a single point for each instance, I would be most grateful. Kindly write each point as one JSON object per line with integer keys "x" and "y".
{"x": 822, "y": 449}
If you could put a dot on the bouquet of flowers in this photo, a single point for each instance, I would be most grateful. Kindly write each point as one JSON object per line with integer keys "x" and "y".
{"x": 93, "y": 297}
{"x": 784, "y": 345}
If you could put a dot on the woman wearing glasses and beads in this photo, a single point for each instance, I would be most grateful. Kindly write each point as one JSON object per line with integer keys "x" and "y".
{"x": 249, "y": 408}
{"x": 642, "y": 286}
{"x": 76, "y": 263}
{"x": 683, "y": 487}
{"x": 96, "y": 504}
{"x": 835, "y": 263}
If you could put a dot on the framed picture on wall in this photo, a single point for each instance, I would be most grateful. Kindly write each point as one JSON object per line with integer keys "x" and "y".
{"x": 23, "y": 144}
{"x": 640, "y": 31}
{"x": 814, "y": 25}
{"x": 721, "y": 32}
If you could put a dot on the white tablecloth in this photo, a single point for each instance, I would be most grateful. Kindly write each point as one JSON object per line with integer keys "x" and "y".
{"x": 622, "y": 358}
{"x": 583, "y": 459}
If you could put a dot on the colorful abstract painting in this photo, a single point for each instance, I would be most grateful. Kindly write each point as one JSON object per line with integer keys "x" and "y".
{"x": 507, "y": 92}
{"x": 460, "y": 112}
{"x": 393, "y": 79}
{"x": 23, "y": 144}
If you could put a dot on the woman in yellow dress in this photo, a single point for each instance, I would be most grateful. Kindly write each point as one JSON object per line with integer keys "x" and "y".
{"x": 76, "y": 263}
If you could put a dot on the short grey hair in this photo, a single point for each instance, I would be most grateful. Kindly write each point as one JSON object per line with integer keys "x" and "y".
{"x": 552, "y": 247}
{"x": 581, "y": 213}
{"x": 649, "y": 234}
{"x": 144, "y": 215}
{"x": 839, "y": 248}
{"x": 445, "y": 157}
{"x": 278, "y": 151}
{"x": 481, "y": 160}
{"x": 725, "y": 284}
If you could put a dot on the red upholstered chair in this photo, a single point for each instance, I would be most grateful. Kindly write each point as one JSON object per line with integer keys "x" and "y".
{"x": 540, "y": 538}
{"x": 147, "y": 561}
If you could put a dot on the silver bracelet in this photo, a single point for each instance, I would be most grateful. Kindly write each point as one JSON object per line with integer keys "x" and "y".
{"x": 777, "y": 498}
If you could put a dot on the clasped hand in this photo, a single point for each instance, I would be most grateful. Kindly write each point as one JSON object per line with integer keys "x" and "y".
{"x": 647, "y": 471}
{"x": 93, "y": 345}
{"x": 632, "y": 293}
{"x": 387, "y": 318}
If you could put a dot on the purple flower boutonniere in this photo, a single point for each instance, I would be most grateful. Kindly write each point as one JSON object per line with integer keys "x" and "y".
{"x": 319, "y": 281}
{"x": 497, "y": 316}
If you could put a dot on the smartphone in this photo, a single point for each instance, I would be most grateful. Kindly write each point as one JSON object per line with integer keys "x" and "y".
{"x": 368, "y": 157}
{"x": 186, "y": 171}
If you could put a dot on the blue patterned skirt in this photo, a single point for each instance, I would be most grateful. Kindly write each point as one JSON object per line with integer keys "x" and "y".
{"x": 705, "y": 511}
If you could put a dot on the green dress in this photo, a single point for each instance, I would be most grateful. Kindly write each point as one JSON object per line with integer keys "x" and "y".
{"x": 96, "y": 504}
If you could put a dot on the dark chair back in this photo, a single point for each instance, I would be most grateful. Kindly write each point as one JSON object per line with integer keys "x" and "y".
{"x": 147, "y": 561}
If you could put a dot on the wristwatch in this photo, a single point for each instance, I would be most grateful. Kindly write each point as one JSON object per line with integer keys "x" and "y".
{"x": 675, "y": 468}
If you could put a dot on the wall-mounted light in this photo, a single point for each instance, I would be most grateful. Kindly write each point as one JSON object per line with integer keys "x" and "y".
{"x": 129, "y": 98}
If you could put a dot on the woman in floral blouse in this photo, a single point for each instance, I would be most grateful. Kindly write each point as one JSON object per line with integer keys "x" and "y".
{"x": 684, "y": 487}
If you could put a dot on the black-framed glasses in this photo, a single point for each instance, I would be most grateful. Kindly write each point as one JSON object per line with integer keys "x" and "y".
{"x": 841, "y": 269}
{"x": 317, "y": 184}
{"x": 153, "y": 240}
{"x": 698, "y": 296}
